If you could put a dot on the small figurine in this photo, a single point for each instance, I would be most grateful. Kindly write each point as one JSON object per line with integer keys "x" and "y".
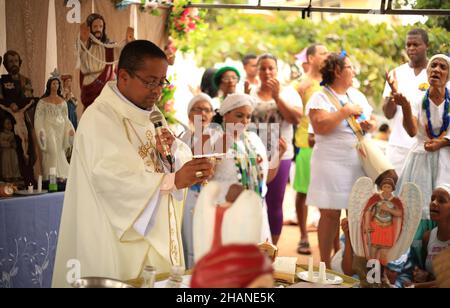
{"x": 382, "y": 226}
{"x": 382, "y": 221}
{"x": 9, "y": 161}
{"x": 20, "y": 128}
{"x": 70, "y": 99}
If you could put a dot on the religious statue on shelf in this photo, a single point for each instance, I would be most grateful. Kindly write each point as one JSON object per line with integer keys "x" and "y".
{"x": 97, "y": 57}
{"x": 20, "y": 128}
{"x": 70, "y": 99}
{"x": 8, "y": 155}
{"x": 225, "y": 238}
{"x": 382, "y": 225}
{"x": 18, "y": 104}
{"x": 54, "y": 130}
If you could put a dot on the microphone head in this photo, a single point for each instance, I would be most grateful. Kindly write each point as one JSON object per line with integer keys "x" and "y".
{"x": 156, "y": 117}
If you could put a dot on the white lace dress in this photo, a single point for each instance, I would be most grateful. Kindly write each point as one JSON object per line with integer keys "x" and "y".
{"x": 53, "y": 131}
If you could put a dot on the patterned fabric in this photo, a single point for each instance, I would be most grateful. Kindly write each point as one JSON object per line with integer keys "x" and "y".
{"x": 28, "y": 238}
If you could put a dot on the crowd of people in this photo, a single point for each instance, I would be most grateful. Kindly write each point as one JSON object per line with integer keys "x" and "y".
{"x": 315, "y": 129}
{"x": 127, "y": 179}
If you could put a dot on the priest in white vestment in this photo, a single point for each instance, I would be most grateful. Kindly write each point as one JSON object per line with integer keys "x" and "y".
{"x": 123, "y": 205}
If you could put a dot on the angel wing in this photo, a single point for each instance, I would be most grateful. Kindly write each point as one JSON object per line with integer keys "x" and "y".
{"x": 411, "y": 197}
{"x": 361, "y": 193}
{"x": 242, "y": 222}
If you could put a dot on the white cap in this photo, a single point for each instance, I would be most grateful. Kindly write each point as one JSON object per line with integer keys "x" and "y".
{"x": 234, "y": 101}
{"x": 445, "y": 186}
{"x": 202, "y": 97}
{"x": 443, "y": 57}
{"x": 52, "y": 171}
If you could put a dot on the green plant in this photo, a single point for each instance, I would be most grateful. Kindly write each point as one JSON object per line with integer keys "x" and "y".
{"x": 166, "y": 103}
{"x": 374, "y": 48}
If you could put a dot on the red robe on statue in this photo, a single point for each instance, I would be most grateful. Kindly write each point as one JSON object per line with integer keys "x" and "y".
{"x": 385, "y": 228}
{"x": 91, "y": 91}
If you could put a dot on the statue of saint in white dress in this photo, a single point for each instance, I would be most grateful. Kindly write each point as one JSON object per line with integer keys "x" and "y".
{"x": 54, "y": 130}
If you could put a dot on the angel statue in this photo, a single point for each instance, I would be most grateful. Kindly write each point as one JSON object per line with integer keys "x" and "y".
{"x": 225, "y": 238}
{"x": 382, "y": 226}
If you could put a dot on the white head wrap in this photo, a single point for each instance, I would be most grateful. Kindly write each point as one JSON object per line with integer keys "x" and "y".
{"x": 445, "y": 187}
{"x": 443, "y": 57}
{"x": 234, "y": 101}
{"x": 199, "y": 98}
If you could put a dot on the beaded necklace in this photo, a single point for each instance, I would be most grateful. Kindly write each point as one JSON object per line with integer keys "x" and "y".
{"x": 445, "y": 116}
{"x": 248, "y": 165}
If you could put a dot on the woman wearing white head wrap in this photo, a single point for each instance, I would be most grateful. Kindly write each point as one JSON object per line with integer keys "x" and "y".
{"x": 200, "y": 113}
{"x": 202, "y": 97}
{"x": 438, "y": 239}
{"x": 445, "y": 187}
{"x": 427, "y": 118}
{"x": 198, "y": 138}
{"x": 234, "y": 101}
{"x": 246, "y": 162}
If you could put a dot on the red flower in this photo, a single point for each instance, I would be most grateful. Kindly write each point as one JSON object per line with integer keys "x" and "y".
{"x": 192, "y": 25}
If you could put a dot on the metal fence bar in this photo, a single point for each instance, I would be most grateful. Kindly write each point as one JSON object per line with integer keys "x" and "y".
{"x": 387, "y": 11}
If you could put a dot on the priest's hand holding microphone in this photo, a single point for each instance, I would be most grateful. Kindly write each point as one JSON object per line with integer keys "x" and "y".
{"x": 193, "y": 172}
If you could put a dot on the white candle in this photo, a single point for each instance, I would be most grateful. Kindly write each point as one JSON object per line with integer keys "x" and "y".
{"x": 39, "y": 184}
{"x": 30, "y": 189}
{"x": 310, "y": 268}
{"x": 322, "y": 272}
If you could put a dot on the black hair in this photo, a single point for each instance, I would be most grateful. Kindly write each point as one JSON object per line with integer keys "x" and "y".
{"x": 328, "y": 69}
{"x": 384, "y": 128}
{"x": 207, "y": 84}
{"x": 217, "y": 118}
{"x": 11, "y": 53}
{"x": 421, "y": 32}
{"x": 48, "y": 88}
{"x": 311, "y": 50}
{"x": 267, "y": 56}
{"x": 134, "y": 53}
{"x": 246, "y": 59}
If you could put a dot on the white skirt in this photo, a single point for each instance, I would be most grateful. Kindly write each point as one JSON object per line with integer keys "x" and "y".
{"x": 333, "y": 176}
{"x": 422, "y": 169}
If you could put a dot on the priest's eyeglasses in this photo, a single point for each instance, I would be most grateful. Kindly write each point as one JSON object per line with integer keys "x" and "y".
{"x": 152, "y": 84}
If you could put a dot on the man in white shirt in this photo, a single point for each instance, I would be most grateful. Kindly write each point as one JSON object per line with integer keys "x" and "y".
{"x": 124, "y": 200}
{"x": 250, "y": 63}
{"x": 409, "y": 77}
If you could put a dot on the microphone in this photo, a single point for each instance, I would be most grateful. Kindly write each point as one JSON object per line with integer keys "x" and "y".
{"x": 157, "y": 119}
